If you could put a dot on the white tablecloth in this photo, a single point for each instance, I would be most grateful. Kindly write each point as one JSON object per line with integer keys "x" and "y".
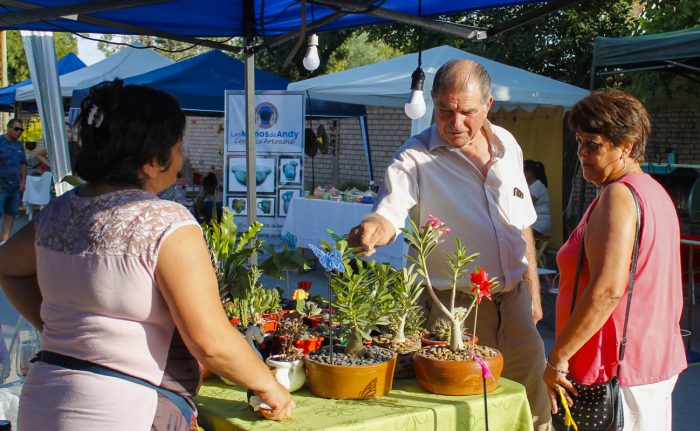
{"x": 309, "y": 219}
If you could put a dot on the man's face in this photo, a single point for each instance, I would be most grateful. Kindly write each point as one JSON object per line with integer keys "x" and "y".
{"x": 15, "y": 130}
{"x": 460, "y": 113}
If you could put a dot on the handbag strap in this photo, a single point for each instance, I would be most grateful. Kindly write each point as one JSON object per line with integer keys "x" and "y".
{"x": 633, "y": 272}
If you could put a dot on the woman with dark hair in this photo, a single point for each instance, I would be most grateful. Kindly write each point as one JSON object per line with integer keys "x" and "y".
{"x": 121, "y": 284}
{"x": 537, "y": 184}
{"x": 612, "y": 128}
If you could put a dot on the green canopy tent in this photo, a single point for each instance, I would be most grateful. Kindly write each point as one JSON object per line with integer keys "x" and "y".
{"x": 676, "y": 50}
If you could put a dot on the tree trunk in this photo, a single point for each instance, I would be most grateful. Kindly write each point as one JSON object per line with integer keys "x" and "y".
{"x": 456, "y": 342}
{"x": 355, "y": 345}
{"x": 400, "y": 337}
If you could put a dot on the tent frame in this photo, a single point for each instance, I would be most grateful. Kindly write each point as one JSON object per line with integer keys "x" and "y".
{"x": 28, "y": 13}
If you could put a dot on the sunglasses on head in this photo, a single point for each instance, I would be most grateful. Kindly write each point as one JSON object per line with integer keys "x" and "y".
{"x": 18, "y": 129}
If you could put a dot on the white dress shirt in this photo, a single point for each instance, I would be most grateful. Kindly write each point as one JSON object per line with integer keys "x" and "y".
{"x": 488, "y": 214}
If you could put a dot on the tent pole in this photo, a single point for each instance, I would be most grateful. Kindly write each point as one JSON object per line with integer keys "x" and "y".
{"x": 251, "y": 183}
{"x": 41, "y": 59}
{"x": 250, "y": 134}
{"x": 365, "y": 143}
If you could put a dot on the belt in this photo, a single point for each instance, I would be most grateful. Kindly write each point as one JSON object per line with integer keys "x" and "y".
{"x": 71, "y": 363}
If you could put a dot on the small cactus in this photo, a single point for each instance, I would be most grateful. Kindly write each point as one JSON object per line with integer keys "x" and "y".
{"x": 442, "y": 329}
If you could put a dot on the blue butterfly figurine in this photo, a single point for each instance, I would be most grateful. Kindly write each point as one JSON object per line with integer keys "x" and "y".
{"x": 330, "y": 261}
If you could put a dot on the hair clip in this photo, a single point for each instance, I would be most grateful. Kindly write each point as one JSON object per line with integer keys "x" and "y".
{"x": 95, "y": 117}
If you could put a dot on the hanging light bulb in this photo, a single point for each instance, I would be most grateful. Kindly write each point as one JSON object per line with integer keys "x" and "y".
{"x": 311, "y": 60}
{"x": 415, "y": 107}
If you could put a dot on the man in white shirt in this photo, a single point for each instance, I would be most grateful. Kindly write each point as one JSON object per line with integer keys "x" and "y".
{"x": 469, "y": 173}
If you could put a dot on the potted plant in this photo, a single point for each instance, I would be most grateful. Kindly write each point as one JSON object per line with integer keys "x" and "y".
{"x": 455, "y": 368}
{"x": 240, "y": 289}
{"x": 287, "y": 363}
{"x": 441, "y": 331}
{"x": 354, "y": 371}
{"x": 405, "y": 319}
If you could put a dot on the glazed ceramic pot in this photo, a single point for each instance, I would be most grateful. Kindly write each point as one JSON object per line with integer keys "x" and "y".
{"x": 448, "y": 377}
{"x": 347, "y": 382}
{"x": 289, "y": 374}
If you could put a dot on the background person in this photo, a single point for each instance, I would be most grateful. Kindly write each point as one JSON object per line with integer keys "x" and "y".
{"x": 537, "y": 184}
{"x": 206, "y": 201}
{"x": 612, "y": 128}
{"x": 13, "y": 174}
{"x": 469, "y": 173}
{"x": 122, "y": 281}
{"x": 37, "y": 159}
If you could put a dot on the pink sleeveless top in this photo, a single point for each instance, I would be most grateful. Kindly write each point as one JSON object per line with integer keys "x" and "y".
{"x": 654, "y": 349}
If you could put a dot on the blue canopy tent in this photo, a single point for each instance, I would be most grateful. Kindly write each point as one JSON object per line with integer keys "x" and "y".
{"x": 66, "y": 64}
{"x": 261, "y": 24}
{"x": 198, "y": 83}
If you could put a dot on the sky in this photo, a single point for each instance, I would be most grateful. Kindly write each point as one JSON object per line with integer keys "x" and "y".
{"x": 87, "y": 50}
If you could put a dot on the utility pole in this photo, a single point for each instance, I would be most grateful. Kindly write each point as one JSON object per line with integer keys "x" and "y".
{"x": 3, "y": 72}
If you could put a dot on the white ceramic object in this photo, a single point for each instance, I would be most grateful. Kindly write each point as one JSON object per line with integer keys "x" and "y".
{"x": 291, "y": 375}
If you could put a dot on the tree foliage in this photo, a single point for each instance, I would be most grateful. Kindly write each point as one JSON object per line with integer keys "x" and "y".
{"x": 660, "y": 16}
{"x": 17, "y": 68}
{"x": 173, "y": 49}
{"x": 558, "y": 45}
{"x": 356, "y": 51}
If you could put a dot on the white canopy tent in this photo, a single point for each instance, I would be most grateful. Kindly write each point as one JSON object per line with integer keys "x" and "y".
{"x": 388, "y": 84}
{"x": 125, "y": 63}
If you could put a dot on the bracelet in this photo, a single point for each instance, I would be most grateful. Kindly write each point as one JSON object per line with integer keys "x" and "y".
{"x": 558, "y": 370}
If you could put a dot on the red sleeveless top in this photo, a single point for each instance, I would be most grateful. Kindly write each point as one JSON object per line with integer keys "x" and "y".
{"x": 654, "y": 349}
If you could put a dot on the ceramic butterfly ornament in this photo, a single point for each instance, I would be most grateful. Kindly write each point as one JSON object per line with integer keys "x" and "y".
{"x": 331, "y": 260}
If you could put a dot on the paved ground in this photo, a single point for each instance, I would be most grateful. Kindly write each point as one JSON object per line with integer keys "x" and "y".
{"x": 685, "y": 397}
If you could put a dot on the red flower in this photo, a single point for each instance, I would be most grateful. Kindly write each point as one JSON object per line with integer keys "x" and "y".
{"x": 481, "y": 284}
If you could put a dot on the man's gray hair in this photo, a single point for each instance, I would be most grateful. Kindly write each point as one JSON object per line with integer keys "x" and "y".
{"x": 459, "y": 73}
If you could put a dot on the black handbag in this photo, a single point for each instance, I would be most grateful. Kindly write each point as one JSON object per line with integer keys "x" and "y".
{"x": 599, "y": 407}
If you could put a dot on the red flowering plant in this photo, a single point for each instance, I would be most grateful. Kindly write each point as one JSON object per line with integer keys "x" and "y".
{"x": 425, "y": 240}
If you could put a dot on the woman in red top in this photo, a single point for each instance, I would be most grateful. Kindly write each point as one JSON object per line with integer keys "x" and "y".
{"x": 611, "y": 129}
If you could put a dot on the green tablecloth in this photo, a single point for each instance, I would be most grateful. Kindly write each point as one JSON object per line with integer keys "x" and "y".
{"x": 407, "y": 407}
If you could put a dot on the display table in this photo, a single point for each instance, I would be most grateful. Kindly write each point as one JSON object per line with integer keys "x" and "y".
{"x": 309, "y": 220}
{"x": 406, "y": 407}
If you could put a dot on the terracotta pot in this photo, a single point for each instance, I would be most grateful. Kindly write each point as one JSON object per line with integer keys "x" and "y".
{"x": 268, "y": 316}
{"x": 289, "y": 374}
{"x": 235, "y": 321}
{"x": 425, "y": 341}
{"x": 343, "y": 382}
{"x": 455, "y": 377}
{"x": 314, "y": 321}
{"x": 309, "y": 344}
{"x": 404, "y": 354}
{"x": 269, "y": 325}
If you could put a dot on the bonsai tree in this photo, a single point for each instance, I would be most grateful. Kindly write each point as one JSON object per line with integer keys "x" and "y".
{"x": 406, "y": 316}
{"x": 360, "y": 303}
{"x": 425, "y": 240}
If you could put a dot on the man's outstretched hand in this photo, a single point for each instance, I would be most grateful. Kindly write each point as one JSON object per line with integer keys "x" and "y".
{"x": 373, "y": 232}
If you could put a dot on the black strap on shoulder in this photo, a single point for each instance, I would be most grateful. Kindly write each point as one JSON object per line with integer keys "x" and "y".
{"x": 633, "y": 272}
